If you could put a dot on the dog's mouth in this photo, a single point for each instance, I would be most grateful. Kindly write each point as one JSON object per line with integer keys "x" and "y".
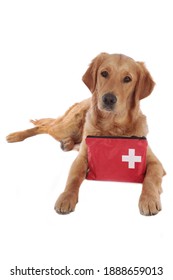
{"x": 108, "y": 109}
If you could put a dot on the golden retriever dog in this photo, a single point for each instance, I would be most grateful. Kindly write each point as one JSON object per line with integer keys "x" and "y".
{"x": 117, "y": 84}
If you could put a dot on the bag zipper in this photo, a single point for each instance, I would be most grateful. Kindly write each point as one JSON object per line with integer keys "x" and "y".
{"x": 118, "y": 137}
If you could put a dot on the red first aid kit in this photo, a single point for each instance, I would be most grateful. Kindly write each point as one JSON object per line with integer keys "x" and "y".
{"x": 121, "y": 159}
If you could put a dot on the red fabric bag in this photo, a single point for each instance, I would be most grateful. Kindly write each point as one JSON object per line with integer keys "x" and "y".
{"x": 121, "y": 159}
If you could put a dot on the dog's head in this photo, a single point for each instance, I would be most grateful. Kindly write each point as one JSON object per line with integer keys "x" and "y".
{"x": 118, "y": 82}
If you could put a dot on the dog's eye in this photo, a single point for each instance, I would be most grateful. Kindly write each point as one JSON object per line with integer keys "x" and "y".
{"x": 127, "y": 79}
{"x": 104, "y": 74}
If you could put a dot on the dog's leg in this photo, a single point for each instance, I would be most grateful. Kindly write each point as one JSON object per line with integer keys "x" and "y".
{"x": 67, "y": 129}
{"x": 149, "y": 202}
{"x": 22, "y": 135}
{"x": 41, "y": 126}
{"x": 68, "y": 199}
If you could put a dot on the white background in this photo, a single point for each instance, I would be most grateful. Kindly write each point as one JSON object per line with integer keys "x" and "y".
{"x": 45, "y": 48}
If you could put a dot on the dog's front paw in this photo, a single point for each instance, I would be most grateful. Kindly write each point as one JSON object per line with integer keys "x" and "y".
{"x": 149, "y": 204}
{"x": 66, "y": 203}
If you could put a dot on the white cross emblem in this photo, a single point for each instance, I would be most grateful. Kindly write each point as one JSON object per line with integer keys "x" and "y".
{"x": 131, "y": 158}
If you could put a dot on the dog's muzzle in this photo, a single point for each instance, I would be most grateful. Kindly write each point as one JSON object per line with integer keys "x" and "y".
{"x": 109, "y": 100}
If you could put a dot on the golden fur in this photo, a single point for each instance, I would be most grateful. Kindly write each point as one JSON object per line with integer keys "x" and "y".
{"x": 117, "y": 84}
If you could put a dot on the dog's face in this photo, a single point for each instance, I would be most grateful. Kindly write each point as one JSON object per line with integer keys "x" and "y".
{"x": 117, "y": 82}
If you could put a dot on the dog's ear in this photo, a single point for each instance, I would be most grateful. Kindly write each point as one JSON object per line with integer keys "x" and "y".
{"x": 145, "y": 82}
{"x": 90, "y": 76}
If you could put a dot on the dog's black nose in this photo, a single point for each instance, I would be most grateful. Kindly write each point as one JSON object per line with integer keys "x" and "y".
{"x": 109, "y": 100}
